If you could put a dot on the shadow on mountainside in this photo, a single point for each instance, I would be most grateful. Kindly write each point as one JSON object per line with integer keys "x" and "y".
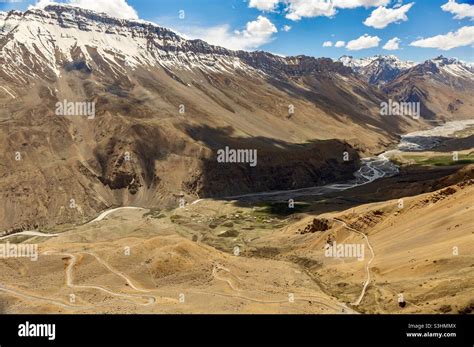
{"x": 411, "y": 181}
{"x": 280, "y": 165}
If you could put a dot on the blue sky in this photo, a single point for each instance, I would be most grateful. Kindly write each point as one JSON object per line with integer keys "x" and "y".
{"x": 422, "y": 28}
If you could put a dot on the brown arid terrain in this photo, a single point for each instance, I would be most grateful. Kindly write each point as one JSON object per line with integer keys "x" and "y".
{"x": 423, "y": 250}
{"x": 219, "y": 257}
{"x": 165, "y": 272}
{"x": 164, "y": 105}
{"x": 132, "y": 211}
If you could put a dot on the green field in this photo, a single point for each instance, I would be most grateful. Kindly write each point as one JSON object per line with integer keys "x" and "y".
{"x": 443, "y": 160}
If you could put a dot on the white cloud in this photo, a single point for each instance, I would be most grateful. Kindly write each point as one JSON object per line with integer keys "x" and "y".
{"x": 255, "y": 34}
{"x": 286, "y": 28}
{"x": 327, "y": 44}
{"x": 264, "y": 5}
{"x": 462, "y": 37}
{"x": 114, "y": 8}
{"x": 297, "y": 9}
{"x": 363, "y": 42}
{"x": 340, "y": 44}
{"x": 392, "y": 44}
{"x": 359, "y": 3}
{"x": 460, "y": 11}
{"x": 382, "y": 16}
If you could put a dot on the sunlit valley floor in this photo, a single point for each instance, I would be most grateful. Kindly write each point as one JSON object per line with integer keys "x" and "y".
{"x": 257, "y": 257}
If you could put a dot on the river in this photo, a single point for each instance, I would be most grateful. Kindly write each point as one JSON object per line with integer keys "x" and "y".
{"x": 372, "y": 168}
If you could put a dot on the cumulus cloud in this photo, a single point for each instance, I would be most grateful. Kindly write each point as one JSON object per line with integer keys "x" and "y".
{"x": 327, "y": 44}
{"x": 462, "y": 37}
{"x": 297, "y": 9}
{"x": 382, "y": 16}
{"x": 255, "y": 34}
{"x": 286, "y": 28}
{"x": 264, "y": 5}
{"x": 360, "y": 3}
{"x": 339, "y": 44}
{"x": 363, "y": 42}
{"x": 460, "y": 11}
{"x": 392, "y": 44}
{"x": 114, "y": 8}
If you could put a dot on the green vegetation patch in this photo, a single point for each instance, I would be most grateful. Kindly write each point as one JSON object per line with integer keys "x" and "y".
{"x": 281, "y": 209}
{"x": 445, "y": 161}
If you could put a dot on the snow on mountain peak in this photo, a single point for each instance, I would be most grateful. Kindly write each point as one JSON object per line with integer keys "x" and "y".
{"x": 378, "y": 69}
{"x": 43, "y": 41}
{"x": 355, "y": 63}
{"x": 454, "y": 67}
{"x": 57, "y": 35}
{"x": 392, "y": 60}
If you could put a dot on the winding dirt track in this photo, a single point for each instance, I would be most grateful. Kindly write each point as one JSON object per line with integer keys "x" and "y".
{"x": 31, "y": 297}
{"x": 108, "y": 212}
{"x": 337, "y": 307}
{"x": 367, "y": 266}
{"x": 70, "y": 280}
{"x": 29, "y": 233}
{"x": 118, "y": 273}
{"x": 150, "y": 299}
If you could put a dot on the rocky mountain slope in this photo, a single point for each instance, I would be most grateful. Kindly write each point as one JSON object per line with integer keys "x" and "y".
{"x": 379, "y": 69}
{"x": 444, "y": 88}
{"x": 163, "y": 107}
{"x": 382, "y": 69}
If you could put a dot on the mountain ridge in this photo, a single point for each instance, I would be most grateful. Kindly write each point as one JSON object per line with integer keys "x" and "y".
{"x": 377, "y": 70}
{"x": 156, "y": 41}
{"x": 169, "y": 104}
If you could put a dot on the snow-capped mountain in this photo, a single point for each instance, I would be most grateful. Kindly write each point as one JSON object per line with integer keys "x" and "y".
{"x": 454, "y": 67}
{"x": 443, "y": 87}
{"x": 169, "y": 102}
{"x": 41, "y": 42}
{"x": 139, "y": 76}
{"x": 52, "y": 37}
{"x": 355, "y": 63}
{"x": 379, "y": 69}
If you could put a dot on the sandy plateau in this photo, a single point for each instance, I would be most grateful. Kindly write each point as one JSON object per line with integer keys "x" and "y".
{"x": 165, "y": 272}
{"x": 233, "y": 257}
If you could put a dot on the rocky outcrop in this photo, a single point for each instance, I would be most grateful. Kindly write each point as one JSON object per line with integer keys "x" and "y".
{"x": 318, "y": 225}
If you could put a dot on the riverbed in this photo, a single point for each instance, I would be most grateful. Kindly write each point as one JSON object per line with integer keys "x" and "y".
{"x": 372, "y": 168}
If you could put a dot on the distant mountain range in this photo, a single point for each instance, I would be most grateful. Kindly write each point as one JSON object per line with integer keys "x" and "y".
{"x": 171, "y": 103}
{"x": 382, "y": 69}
